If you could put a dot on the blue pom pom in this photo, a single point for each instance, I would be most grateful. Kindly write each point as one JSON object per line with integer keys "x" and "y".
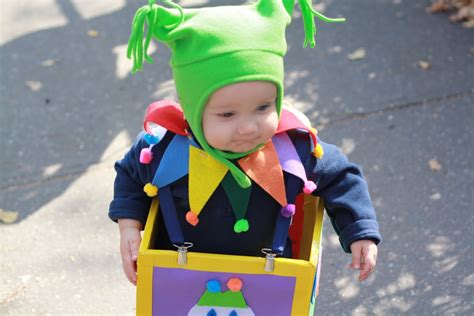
{"x": 213, "y": 286}
{"x": 233, "y": 313}
{"x": 151, "y": 139}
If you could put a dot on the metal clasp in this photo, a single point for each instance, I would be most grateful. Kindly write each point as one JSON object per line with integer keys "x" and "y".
{"x": 183, "y": 253}
{"x": 269, "y": 259}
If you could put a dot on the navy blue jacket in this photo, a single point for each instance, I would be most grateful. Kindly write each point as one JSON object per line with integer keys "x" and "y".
{"x": 339, "y": 182}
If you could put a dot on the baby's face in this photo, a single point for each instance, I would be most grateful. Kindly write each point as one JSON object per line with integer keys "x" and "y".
{"x": 240, "y": 116}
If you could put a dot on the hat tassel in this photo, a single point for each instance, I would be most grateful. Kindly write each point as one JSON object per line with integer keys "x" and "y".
{"x": 136, "y": 48}
{"x": 309, "y": 13}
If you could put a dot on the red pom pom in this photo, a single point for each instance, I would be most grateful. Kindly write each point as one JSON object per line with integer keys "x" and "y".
{"x": 146, "y": 156}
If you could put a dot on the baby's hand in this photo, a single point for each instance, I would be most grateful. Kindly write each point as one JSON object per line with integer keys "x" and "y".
{"x": 130, "y": 239}
{"x": 364, "y": 257}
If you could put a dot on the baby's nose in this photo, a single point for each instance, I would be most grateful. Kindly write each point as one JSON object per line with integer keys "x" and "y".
{"x": 247, "y": 127}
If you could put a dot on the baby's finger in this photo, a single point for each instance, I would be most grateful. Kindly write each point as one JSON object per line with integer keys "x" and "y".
{"x": 134, "y": 245}
{"x": 365, "y": 271}
{"x": 368, "y": 267}
{"x": 355, "y": 264}
{"x": 130, "y": 270}
{"x": 128, "y": 264}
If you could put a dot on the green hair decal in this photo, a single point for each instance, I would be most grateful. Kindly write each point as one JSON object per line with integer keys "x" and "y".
{"x": 136, "y": 48}
{"x": 309, "y": 13}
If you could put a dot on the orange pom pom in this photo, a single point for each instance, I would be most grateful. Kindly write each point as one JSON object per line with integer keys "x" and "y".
{"x": 234, "y": 284}
{"x": 192, "y": 218}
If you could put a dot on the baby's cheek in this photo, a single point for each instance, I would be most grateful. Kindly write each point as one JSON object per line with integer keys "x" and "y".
{"x": 272, "y": 125}
{"x": 216, "y": 136}
{"x": 272, "y": 120}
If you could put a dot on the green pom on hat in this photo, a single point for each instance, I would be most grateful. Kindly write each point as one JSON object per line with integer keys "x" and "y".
{"x": 217, "y": 46}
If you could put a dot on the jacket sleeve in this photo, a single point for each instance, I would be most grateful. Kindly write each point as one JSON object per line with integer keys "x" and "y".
{"x": 130, "y": 201}
{"x": 346, "y": 196}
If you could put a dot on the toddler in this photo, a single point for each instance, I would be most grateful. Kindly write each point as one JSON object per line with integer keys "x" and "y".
{"x": 228, "y": 162}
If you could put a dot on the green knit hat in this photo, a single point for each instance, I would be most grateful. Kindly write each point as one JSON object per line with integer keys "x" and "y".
{"x": 217, "y": 46}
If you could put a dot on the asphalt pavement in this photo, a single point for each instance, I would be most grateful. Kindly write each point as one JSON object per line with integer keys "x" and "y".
{"x": 393, "y": 87}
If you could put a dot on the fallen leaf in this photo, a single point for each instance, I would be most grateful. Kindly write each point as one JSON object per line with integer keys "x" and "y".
{"x": 92, "y": 33}
{"x": 438, "y": 6}
{"x": 435, "y": 196}
{"x": 372, "y": 75}
{"x": 424, "y": 64}
{"x": 48, "y": 62}
{"x": 464, "y": 10}
{"x": 469, "y": 24}
{"x": 359, "y": 53}
{"x": 463, "y": 14}
{"x": 434, "y": 165}
{"x": 33, "y": 85}
{"x": 472, "y": 50}
{"x": 8, "y": 217}
{"x": 335, "y": 49}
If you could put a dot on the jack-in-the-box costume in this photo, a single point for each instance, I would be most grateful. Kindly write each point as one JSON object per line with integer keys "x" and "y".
{"x": 225, "y": 202}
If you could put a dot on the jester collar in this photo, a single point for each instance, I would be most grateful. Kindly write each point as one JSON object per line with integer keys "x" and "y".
{"x": 265, "y": 167}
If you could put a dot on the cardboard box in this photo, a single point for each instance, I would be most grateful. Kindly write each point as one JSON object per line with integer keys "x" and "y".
{"x": 167, "y": 288}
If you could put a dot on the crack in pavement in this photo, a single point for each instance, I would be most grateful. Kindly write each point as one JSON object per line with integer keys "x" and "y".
{"x": 392, "y": 107}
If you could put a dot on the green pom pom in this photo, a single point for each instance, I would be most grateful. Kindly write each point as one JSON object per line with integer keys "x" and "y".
{"x": 241, "y": 226}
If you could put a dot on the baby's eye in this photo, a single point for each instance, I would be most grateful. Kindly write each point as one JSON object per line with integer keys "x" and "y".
{"x": 226, "y": 114}
{"x": 263, "y": 107}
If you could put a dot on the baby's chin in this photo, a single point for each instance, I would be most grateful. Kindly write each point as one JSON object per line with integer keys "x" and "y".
{"x": 239, "y": 149}
{"x": 236, "y": 148}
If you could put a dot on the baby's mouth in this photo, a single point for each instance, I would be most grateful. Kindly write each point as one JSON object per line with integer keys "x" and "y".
{"x": 247, "y": 141}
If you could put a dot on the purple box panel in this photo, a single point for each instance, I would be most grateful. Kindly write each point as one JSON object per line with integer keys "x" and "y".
{"x": 176, "y": 291}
